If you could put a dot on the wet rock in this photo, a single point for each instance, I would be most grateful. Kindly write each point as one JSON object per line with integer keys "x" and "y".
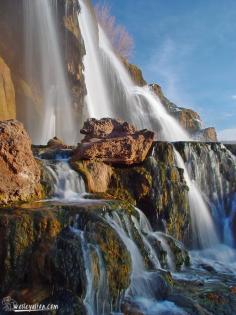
{"x": 20, "y": 173}
{"x": 98, "y": 175}
{"x": 42, "y": 255}
{"x": 207, "y": 267}
{"x": 113, "y": 142}
{"x": 156, "y": 186}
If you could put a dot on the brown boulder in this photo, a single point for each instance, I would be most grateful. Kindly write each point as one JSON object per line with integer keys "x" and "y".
{"x": 56, "y": 143}
{"x": 19, "y": 172}
{"x": 113, "y": 141}
{"x": 105, "y": 128}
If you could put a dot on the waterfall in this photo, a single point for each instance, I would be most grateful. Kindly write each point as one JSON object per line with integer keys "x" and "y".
{"x": 216, "y": 179}
{"x": 67, "y": 184}
{"x": 147, "y": 288}
{"x": 202, "y": 223}
{"x": 110, "y": 90}
{"x": 53, "y": 114}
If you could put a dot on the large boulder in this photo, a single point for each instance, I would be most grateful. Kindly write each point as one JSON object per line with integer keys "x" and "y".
{"x": 113, "y": 141}
{"x": 19, "y": 172}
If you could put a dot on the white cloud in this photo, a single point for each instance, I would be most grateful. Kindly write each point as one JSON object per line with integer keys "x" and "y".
{"x": 168, "y": 66}
{"x": 227, "y": 134}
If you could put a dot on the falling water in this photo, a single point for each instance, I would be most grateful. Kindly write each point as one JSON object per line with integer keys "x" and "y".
{"x": 218, "y": 183}
{"x": 111, "y": 92}
{"x": 202, "y": 224}
{"x": 97, "y": 100}
{"x": 52, "y": 116}
{"x": 67, "y": 184}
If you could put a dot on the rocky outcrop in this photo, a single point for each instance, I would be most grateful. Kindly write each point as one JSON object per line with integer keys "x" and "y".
{"x": 135, "y": 73}
{"x": 114, "y": 142}
{"x": 207, "y": 135}
{"x": 19, "y": 172}
{"x": 156, "y": 186}
{"x": 7, "y": 93}
{"x": 187, "y": 118}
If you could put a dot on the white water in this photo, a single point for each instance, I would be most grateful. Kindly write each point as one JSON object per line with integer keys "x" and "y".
{"x": 53, "y": 114}
{"x": 216, "y": 185}
{"x": 68, "y": 185}
{"x": 97, "y": 96}
{"x": 110, "y": 90}
{"x": 202, "y": 224}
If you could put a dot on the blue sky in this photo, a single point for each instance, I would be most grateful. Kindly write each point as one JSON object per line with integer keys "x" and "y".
{"x": 189, "y": 48}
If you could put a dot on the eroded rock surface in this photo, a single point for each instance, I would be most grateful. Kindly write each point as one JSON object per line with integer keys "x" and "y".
{"x": 19, "y": 172}
{"x": 114, "y": 142}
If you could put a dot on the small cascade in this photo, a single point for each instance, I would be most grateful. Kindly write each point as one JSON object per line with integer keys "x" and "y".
{"x": 109, "y": 85}
{"x": 203, "y": 227}
{"x": 147, "y": 289}
{"x": 66, "y": 183}
{"x": 142, "y": 244}
{"x": 216, "y": 180}
{"x": 45, "y": 69}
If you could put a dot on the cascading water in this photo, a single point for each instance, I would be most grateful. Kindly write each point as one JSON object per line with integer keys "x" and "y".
{"x": 44, "y": 68}
{"x": 67, "y": 184}
{"x": 216, "y": 178}
{"x": 202, "y": 224}
{"x": 138, "y": 105}
{"x": 110, "y": 90}
{"x": 134, "y": 231}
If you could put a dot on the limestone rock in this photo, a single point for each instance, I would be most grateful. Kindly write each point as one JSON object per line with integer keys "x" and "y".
{"x": 114, "y": 142}
{"x": 20, "y": 173}
{"x": 7, "y": 93}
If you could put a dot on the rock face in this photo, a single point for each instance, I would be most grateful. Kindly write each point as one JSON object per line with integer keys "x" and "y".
{"x": 114, "y": 142}
{"x": 20, "y": 174}
{"x": 7, "y": 93}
